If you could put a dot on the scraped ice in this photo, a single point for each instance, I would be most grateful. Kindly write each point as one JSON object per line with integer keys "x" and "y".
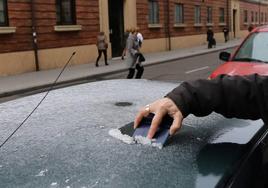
{"x": 146, "y": 141}
{"x": 42, "y": 173}
{"x": 116, "y": 133}
{"x": 54, "y": 183}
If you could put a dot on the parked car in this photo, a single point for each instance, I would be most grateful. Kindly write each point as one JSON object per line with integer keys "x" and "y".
{"x": 249, "y": 58}
{"x": 65, "y": 143}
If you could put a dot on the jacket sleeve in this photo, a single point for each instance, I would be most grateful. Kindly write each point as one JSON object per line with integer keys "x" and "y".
{"x": 243, "y": 97}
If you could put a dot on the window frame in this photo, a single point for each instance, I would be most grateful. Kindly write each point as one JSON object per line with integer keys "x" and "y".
{"x": 153, "y": 16}
{"x": 256, "y": 17}
{"x": 209, "y": 15}
{"x": 180, "y": 14}
{"x": 59, "y": 15}
{"x": 245, "y": 16}
{"x": 197, "y": 14}
{"x": 252, "y": 17}
{"x": 5, "y": 13}
{"x": 221, "y": 15}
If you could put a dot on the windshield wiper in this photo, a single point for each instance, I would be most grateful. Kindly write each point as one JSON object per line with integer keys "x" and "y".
{"x": 248, "y": 59}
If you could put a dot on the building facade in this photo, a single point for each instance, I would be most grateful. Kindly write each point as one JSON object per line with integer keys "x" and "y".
{"x": 39, "y": 35}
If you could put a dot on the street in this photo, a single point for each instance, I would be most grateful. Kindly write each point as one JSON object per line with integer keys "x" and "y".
{"x": 181, "y": 70}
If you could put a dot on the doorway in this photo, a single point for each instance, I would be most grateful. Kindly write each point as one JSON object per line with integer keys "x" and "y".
{"x": 234, "y": 22}
{"x": 116, "y": 26}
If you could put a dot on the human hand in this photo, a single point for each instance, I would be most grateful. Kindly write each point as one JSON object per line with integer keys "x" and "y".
{"x": 160, "y": 108}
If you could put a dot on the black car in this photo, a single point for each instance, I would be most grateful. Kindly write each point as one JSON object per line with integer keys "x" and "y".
{"x": 65, "y": 143}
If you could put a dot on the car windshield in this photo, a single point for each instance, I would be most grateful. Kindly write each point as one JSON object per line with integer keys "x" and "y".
{"x": 254, "y": 49}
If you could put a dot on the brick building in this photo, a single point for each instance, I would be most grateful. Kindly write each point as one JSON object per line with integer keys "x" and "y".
{"x": 39, "y": 35}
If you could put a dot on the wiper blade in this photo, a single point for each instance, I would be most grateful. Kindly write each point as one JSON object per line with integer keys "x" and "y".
{"x": 248, "y": 59}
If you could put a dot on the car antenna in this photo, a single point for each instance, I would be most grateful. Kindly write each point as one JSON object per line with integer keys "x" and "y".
{"x": 51, "y": 87}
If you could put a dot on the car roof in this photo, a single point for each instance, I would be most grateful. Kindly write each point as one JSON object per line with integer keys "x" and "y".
{"x": 261, "y": 29}
{"x": 66, "y": 141}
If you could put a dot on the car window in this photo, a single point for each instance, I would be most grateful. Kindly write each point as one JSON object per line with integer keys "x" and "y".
{"x": 254, "y": 49}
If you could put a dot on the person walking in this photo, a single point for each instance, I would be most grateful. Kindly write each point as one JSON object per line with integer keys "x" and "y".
{"x": 102, "y": 46}
{"x": 226, "y": 33}
{"x": 133, "y": 54}
{"x": 210, "y": 38}
{"x": 250, "y": 28}
{"x": 124, "y": 44}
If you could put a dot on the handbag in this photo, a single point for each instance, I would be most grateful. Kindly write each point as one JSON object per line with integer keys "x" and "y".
{"x": 106, "y": 45}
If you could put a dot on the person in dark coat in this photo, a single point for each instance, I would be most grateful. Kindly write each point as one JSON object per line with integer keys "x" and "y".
{"x": 226, "y": 33}
{"x": 250, "y": 28}
{"x": 134, "y": 56}
{"x": 244, "y": 97}
{"x": 210, "y": 38}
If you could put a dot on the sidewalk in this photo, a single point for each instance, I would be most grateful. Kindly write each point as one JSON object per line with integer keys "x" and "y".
{"x": 16, "y": 84}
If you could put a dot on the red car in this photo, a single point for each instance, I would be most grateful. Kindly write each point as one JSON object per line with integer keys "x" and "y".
{"x": 250, "y": 57}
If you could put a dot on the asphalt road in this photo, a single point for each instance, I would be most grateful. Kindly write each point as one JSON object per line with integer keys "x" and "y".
{"x": 185, "y": 69}
{"x": 182, "y": 70}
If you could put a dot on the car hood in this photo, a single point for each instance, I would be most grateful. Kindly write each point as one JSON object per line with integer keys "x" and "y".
{"x": 66, "y": 141}
{"x": 240, "y": 68}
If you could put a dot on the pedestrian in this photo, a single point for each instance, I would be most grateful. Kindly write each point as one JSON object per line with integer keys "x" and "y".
{"x": 139, "y": 37}
{"x": 124, "y": 44}
{"x": 133, "y": 56}
{"x": 250, "y": 28}
{"x": 226, "y": 33}
{"x": 242, "y": 97}
{"x": 210, "y": 38}
{"x": 102, "y": 46}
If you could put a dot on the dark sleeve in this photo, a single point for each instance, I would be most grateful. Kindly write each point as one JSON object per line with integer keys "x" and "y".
{"x": 243, "y": 97}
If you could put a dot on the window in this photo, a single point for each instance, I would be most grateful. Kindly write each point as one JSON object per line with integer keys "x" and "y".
{"x": 265, "y": 17}
{"x": 3, "y": 13}
{"x": 245, "y": 16}
{"x": 252, "y": 17}
{"x": 256, "y": 17}
{"x": 222, "y": 17}
{"x": 209, "y": 14}
{"x": 179, "y": 14}
{"x": 65, "y": 12}
{"x": 197, "y": 15}
{"x": 153, "y": 12}
{"x": 262, "y": 17}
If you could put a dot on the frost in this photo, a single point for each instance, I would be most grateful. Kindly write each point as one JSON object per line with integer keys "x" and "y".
{"x": 116, "y": 133}
{"x": 146, "y": 141}
{"x": 42, "y": 173}
{"x": 54, "y": 183}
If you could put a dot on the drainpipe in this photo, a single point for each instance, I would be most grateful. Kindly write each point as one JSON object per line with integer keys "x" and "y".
{"x": 34, "y": 37}
{"x": 167, "y": 30}
{"x": 259, "y": 12}
{"x": 228, "y": 14}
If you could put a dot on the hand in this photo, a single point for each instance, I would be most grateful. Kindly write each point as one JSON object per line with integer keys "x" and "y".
{"x": 160, "y": 108}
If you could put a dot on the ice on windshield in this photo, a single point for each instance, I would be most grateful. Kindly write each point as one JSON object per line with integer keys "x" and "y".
{"x": 255, "y": 48}
{"x": 260, "y": 46}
